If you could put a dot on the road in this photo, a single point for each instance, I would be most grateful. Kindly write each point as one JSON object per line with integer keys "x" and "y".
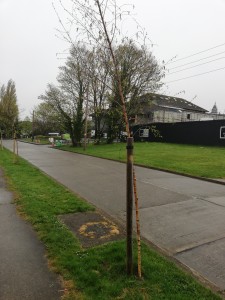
{"x": 181, "y": 215}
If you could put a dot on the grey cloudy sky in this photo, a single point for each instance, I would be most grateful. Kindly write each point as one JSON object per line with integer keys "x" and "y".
{"x": 28, "y": 47}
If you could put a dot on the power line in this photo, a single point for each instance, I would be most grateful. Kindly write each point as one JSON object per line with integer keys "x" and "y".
{"x": 196, "y": 75}
{"x": 196, "y": 66}
{"x": 192, "y": 62}
{"x": 196, "y": 53}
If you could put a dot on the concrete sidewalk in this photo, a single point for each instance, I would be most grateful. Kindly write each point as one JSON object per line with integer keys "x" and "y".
{"x": 183, "y": 216}
{"x": 24, "y": 273}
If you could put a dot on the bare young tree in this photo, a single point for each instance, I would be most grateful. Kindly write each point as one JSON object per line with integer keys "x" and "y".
{"x": 89, "y": 19}
{"x": 98, "y": 25}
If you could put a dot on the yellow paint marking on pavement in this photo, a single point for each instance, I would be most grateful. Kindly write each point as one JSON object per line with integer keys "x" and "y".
{"x": 91, "y": 229}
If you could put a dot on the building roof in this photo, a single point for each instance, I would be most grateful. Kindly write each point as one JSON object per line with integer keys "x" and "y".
{"x": 156, "y": 101}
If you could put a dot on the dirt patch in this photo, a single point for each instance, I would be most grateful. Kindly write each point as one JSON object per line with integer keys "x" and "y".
{"x": 92, "y": 229}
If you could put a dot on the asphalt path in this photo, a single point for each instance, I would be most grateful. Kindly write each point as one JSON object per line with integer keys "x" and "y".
{"x": 181, "y": 215}
{"x": 24, "y": 272}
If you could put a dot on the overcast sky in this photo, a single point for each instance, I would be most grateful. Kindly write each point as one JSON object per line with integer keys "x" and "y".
{"x": 28, "y": 47}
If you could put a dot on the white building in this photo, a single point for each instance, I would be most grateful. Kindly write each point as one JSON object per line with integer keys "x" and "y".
{"x": 156, "y": 108}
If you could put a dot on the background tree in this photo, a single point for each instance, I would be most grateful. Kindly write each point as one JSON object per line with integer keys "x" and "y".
{"x": 67, "y": 99}
{"x": 9, "y": 111}
{"x": 25, "y": 127}
{"x": 98, "y": 73}
{"x": 46, "y": 119}
{"x": 140, "y": 73}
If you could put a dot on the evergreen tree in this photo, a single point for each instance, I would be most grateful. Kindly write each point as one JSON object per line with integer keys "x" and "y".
{"x": 9, "y": 111}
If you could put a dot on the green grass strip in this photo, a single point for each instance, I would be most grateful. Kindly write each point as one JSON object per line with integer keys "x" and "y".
{"x": 99, "y": 272}
{"x": 203, "y": 161}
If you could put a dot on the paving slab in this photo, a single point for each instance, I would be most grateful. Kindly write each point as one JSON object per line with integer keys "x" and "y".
{"x": 151, "y": 195}
{"x": 207, "y": 259}
{"x": 220, "y": 201}
{"x": 183, "y": 185}
{"x": 180, "y": 226}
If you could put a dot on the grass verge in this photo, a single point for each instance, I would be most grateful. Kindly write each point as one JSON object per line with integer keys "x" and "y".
{"x": 99, "y": 272}
{"x": 203, "y": 161}
{"x": 36, "y": 141}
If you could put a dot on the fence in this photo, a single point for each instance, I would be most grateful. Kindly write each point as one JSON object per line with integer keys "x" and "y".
{"x": 199, "y": 132}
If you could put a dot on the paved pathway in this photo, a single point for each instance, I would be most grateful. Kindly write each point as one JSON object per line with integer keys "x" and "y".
{"x": 184, "y": 216}
{"x": 24, "y": 274}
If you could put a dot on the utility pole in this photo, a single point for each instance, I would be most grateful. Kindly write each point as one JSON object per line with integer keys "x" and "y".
{"x": 14, "y": 147}
{"x": 1, "y": 139}
{"x": 86, "y": 118}
{"x": 33, "y": 126}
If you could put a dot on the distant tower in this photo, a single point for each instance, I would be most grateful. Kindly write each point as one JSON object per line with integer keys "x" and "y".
{"x": 214, "y": 109}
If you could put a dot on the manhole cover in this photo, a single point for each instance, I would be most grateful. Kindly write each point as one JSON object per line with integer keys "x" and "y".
{"x": 92, "y": 229}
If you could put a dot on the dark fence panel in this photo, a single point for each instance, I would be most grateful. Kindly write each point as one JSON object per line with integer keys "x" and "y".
{"x": 199, "y": 132}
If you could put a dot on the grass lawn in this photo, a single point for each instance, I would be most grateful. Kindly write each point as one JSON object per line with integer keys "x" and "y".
{"x": 36, "y": 141}
{"x": 203, "y": 161}
{"x": 99, "y": 272}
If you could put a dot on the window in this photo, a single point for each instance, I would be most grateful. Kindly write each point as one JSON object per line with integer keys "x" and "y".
{"x": 144, "y": 132}
{"x": 222, "y": 132}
